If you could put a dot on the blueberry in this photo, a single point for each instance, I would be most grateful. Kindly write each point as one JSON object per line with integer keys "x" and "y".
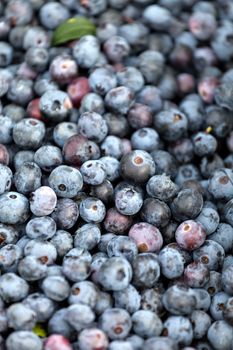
{"x": 13, "y": 288}
{"x": 20, "y": 91}
{"x": 79, "y": 316}
{"x": 146, "y": 139}
{"x": 128, "y": 199}
{"x": 224, "y": 236}
{"x": 217, "y": 305}
{"x": 187, "y": 205}
{"x": 128, "y": 299}
{"x": 214, "y": 285}
{"x": 41, "y": 227}
{"x": 150, "y": 96}
{"x": 76, "y": 265}
{"x": 55, "y": 288}
{"x": 58, "y": 324}
{"x": 201, "y": 322}
{"x": 171, "y": 262}
{"x": 146, "y": 236}
{"x": 179, "y": 300}
{"x": 43, "y": 306}
{"x": 120, "y": 344}
{"x": 211, "y": 254}
{"x": 119, "y": 99}
{"x": 93, "y": 126}
{"x": 48, "y": 157}
{"x": 161, "y": 187}
{"x": 6, "y": 129}
{"x": 66, "y": 213}
{"x": 53, "y": 14}
{"x": 63, "y": 69}
{"x": 92, "y": 337}
{"x": 116, "y": 323}
{"x": 6, "y": 178}
{"x": 92, "y": 210}
{"x": 146, "y": 270}
{"x": 163, "y": 343}
{"x": 151, "y": 65}
{"x": 43, "y": 201}
{"x": 14, "y": 208}
{"x": 146, "y": 323}
{"x": 66, "y": 181}
{"x": 155, "y": 212}
{"x": 92, "y": 102}
{"x": 151, "y": 299}
{"x": 87, "y": 236}
{"x": 86, "y": 51}
{"x": 132, "y": 78}
{"x": 84, "y": 292}
{"x": 62, "y": 132}
{"x": 22, "y": 157}
{"x": 179, "y": 328}
{"x": 116, "y": 48}
{"x": 63, "y": 242}
{"x": 102, "y": 80}
{"x": 55, "y": 105}
{"x": 24, "y": 340}
{"x": 29, "y": 133}
{"x": 103, "y": 191}
{"x": 190, "y": 235}
{"x": 157, "y": 17}
{"x": 8, "y": 235}
{"x": 42, "y": 250}
{"x": 31, "y": 268}
{"x": 122, "y": 246}
{"x": 115, "y": 274}
{"x": 223, "y": 95}
{"x": 27, "y": 178}
{"x": 215, "y": 332}
{"x": 116, "y": 222}
{"x": 196, "y": 275}
{"x": 209, "y": 219}
{"x": 227, "y": 312}
{"x": 55, "y": 339}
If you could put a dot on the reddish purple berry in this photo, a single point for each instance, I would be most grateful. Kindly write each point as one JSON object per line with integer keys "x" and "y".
{"x": 147, "y": 237}
{"x": 196, "y": 275}
{"x": 116, "y": 222}
{"x": 190, "y": 235}
{"x": 77, "y": 89}
{"x": 57, "y": 342}
{"x": 63, "y": 69}
{"x": 4, "y": 155}
{"x": 92, "y": 339}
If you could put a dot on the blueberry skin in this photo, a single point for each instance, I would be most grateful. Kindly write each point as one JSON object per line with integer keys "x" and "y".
{"x": 6, "y": 178}
{"x": 187, "y": 172}
{"x": 119, "y": 99}
{"x": 56, "y": 288}
{"x": 161, "y": 342}
{"x": 6, "y": 54}
{"x": 128, "y": 199}
{"x": 214, "y": 285}
{"x": 146, "y": 323}
{"x": 151, "y": 299}
{"x": 120, "y": 344}
{"x": 84, "y": 292}
{"x": 76, "y": 265}
{"x": 132, "y": 78}
{"x": 8, "y": 235}
{"x": 13, "y": 288}
{"x": 102, "y": 80}
{"x": 20, "y": 91}
{"x": 87, "y": 236}
{"x": 92, "y": 102}
{"x": 66, "y": 213}
{"x": 227, "y": 312}
{"x": 63, "y": 131}
{"x": 21, "y": 317}
{"x": 187, "y": 204}
{"x": 171, "y": 124}
{"x": 66, "y": 181}
{"x": 79, "y": 316}
{"x": 171, "y": 262}
{"x": 165, "y": 163}
{"x": 22, "y": 157}
{"x": 92, "y": 210}
{"x": 211, "y": 254}
{"x": 48, "y": 157}
{"x": 14, "y": 208}
{"x": 227, "y": 280}
{"x": 146, "y": 139}
{"x": 204, "y": 144}
{"x": 43, "y": 227}
{"x": 32, "y": 269}
{"x": 179, "y": 328}
{"x": 224, "y": 236}
{"x": 7, "y": 125}
{"x": 29, "y": 133}
{"x": 53, "y": 14}
{"x": 128, "y": 299}
{"x": 179, "y": 300}
{"x": 27, "y": 178}
{"x": 201, "y": 322}
{"x": 23, "y": 340}
{"x": 86, "y": 51}
{"x": 63, "y": 242}
{"x": 146, "y": 270}
{"x": 55, "y": 105}
{"x": 112, "y": 146}
{"x": 157, "y": 17}
{"x": 155, "y": 212}
{"x": 58, "y": 324}
{"x": 116, "y": 323}
{"x": 93, "y": 126}
{"x": 223, "y": 95}
{"x": 209, "y": 219}
{"x": 220, "y": 184}
{"x": 161, "y": 187}
{"x": 43, "y": 306}
{"x": 220, "y": 335}
{"x": 217, "y": 305}
{"x": 115, "y": 274}
{"x": 151, "y": 65}
{"x": 42, "y": 250}
{"x": 93, "y": 172}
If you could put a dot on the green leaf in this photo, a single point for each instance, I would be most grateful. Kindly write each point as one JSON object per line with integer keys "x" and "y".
{"x": 72, "y": 29}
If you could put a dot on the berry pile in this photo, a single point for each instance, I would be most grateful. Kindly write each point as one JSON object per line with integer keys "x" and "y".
{"x": 116, "y": 175}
